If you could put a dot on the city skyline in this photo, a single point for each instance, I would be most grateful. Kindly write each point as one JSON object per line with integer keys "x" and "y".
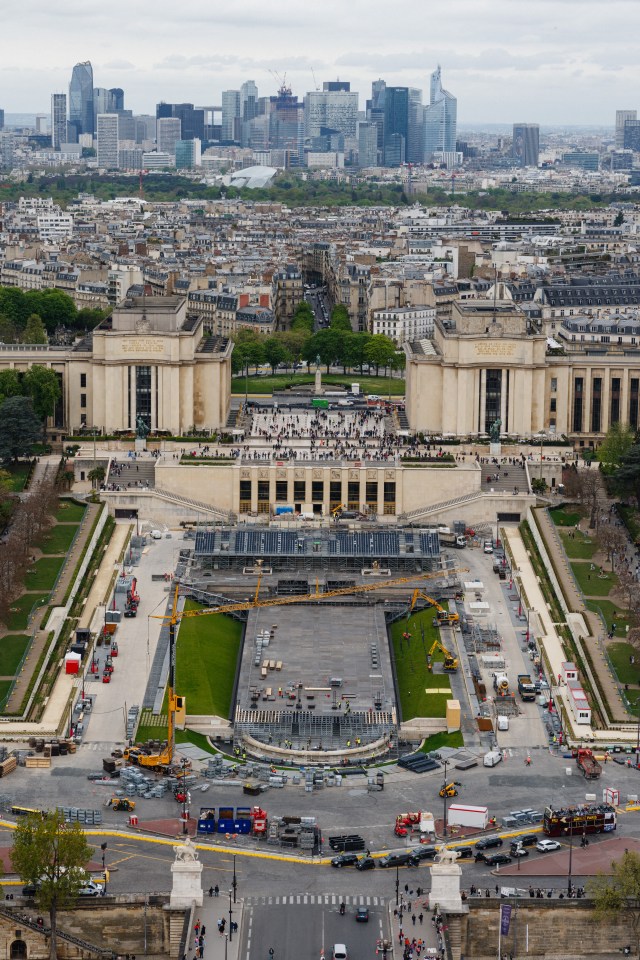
{"x": 504, "y": 63}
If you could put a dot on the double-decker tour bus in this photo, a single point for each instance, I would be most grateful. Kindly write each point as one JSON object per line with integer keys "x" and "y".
{"x": 581, "y": 819}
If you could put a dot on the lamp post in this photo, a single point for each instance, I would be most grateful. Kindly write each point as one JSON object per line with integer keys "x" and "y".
{"x": 185, "y": 825}
{"x": 234, "y": 882}
{"x": 397, "y": 884}
{"x": 444, "y": 798}
{"x": 569, "y": 830}
{"x": 226, "y": 940}
{"x": 637, "y": 702}
{"x": 230, "y": 917}
{"x": 103, "y": 847}
{"x": 542, "y": 436}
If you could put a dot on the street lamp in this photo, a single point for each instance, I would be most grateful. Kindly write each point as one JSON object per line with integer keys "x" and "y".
{"x": 397, "y": 884}
{"x": 235, "y": 882}
{"x": 444, "y": 797}
{"x": 103, "y": 847}
{"x": 569, "y": 830}
{"x": 542, "y": 436}
{"x": 185, "y": 825}
{"x": 230, "y": 917}
{"x": 226, "y": 940}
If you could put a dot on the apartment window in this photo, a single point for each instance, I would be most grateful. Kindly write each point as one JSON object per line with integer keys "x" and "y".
{"x": 83, "y": 400}
{"x": 83, "y": 379}
{"x": 554, "y": 384}
{"x": 553, "y": 405}
{"x": 614, "y": 416}
{"x": 596, "y": 405}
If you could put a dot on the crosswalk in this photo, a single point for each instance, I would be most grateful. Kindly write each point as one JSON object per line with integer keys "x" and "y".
{"x": 315, "y": 899}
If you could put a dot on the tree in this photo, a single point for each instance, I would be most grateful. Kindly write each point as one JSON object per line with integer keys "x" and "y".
{"x": 618, "y": 896}
{"x": 43, "y": 386}
{"x": 34, "y": 332}
{"x": 619, "y": 219}
{"x": 10, "y": 385}
{"x": 275, "y": 353}
{"x": 52, "y": 855}
{"x": 20, "y": 428}
{"x": 584, "y": 486}
{"x": 627, "y": 477}
{"x": 56, "y": 308}
{"x": 616, "y": 444}
{"x": 96, "y": 476}
{"x": 613, "y": 540}
{"x": 7, "y": 330}
{"x": 380, "y": 351}
{"x": 340, "y": 319}
{"x": 324, "y": 344}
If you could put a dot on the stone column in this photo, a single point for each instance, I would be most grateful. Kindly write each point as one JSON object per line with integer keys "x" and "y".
{"x": 186, "y": 874}
{"x": 445, "y": 883}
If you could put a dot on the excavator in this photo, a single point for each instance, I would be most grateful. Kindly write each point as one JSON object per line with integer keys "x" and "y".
{"x": 442, "y": 615}
{"x": 450, "y": 662}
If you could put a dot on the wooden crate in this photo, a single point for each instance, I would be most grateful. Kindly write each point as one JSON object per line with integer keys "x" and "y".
{"x": 37, "y": 762}
{"x": 8, "y": 766}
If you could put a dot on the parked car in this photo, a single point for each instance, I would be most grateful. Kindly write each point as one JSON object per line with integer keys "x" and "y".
{"x": 427, "y": 852}
{"x": 339, "y": 951}
{"x": 362, "y": 915}
{"x": 464, "y": 853}
{"x": 486, "y": 842}
{"x": 365, "y": 863}
{"x": 497, "y": 859}
{"x": 91, "y": 889}
{"x": 526, "y": 840}
{"x": 518, "y": 851}
{"x": 397, "y": 860}
{"x": 345, "y": 860}
{"x": 546, "y": 846}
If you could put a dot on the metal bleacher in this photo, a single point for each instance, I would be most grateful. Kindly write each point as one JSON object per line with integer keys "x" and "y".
{"x": 301, "y": 726}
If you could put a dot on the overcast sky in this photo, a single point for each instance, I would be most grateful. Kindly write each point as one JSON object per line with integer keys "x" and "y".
{"x": 548, "y": 61}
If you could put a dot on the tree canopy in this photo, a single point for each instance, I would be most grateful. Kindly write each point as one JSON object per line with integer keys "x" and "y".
{"x": 619, "y": 438}
{"x": 52, "y": 855}
{"x": 627, "y": 476}
{"x": 618, "y": 895}
{"x": 20, "y": 428}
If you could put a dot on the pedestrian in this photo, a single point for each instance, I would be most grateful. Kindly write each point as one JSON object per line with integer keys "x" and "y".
{"x": 406, "y": 888}
{"x": 413, "y": 919}
{"x": 216, "y": 890}
{"x": 210, "y": 891}
{"x": 203, "y": 930}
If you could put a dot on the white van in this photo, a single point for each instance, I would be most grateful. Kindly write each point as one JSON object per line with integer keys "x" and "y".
{"x": 503, "y": 723}
{"x": 492, "y": 758}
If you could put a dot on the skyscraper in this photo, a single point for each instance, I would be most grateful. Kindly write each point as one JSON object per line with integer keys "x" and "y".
{"x": 191, "y": 119}
{"x": 230, "y": 114}
{"x": 168, "y": 133}
{"x": 375, "y": 112}
{"x": 440, "y": 118}
{"x": 526, "y": 144}
{"x": 621, "y": 118}
{"x": 81, "y": 98}
{"x": 396, "y": 125}
{"x": 248, "y": 100}
{"x": 1, "y": 119}
{"x": 415, "y": 128}
{"x": 334, "y": 109}
{"x": 107, "y": 140}
{"x": 367, "y": 144}
{"x": 188, "y": 154}
{"x": 58, "y": 120}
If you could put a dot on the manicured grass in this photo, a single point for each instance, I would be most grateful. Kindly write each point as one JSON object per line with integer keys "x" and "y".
{"x": 4, "y": 689}
{"x": 612, "y": 614}
{"x": 578, "y": 547}
{"x": 59, "y": 538}
{"x": 70, "y": 512}
{"x": 42, "y": 574}
{"x": 206, "y": 660}
{"x": 19, "y": 473}
{"x": 197, "y": 739}
{"x": 591, "y": 582}
{"x": 383, "y": 386}
{"x": 18, "y": 618}
{"x": 619, "y": 654}
{"x": 413, "y": 677}
{"x": 566, "y": 516}
{"x": 438, "y": 740}
{"x": 11, "y": 650}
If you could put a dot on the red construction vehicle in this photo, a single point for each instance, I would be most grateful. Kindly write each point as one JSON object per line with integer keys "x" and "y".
{"x": 406, "y": 823}
{"x": 586, "y": 761}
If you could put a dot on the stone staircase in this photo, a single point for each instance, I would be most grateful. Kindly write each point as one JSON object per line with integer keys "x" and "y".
{"x": 433, "y": 509}
{"x": 132, "y": 474}
{"x": 509, "y": 476}
{"x": 453, "y": 936}
{"x": 19, "y": 919}
{"x": 198, "y": 506}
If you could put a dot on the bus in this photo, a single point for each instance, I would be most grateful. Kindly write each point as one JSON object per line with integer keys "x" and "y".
{"x": 581, "y": 819}
{"x": 25, "y": 811}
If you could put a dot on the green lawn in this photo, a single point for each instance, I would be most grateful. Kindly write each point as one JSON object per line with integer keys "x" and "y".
{"x": 383, "y": 386}
{"x": 19, "y": 473}
{"x": 4, "y": 690}
{"x": 619, "y": 654}
{"x": 413, "y": 677}
{"x": 59, "y": 538}
{"x": 11, "y": 651}
{"x": 70, "y": 512}
{"x": 578, "y": 547}
{"x": 438, "y": 740}
{"x": 590, "y": 581}
{"x": 612, "y": 614}
{"x": 206, "y": 660}
{"x": 566, "y": 516}
{"x": 18, "y": 618}
{"x": 42, "y": 574}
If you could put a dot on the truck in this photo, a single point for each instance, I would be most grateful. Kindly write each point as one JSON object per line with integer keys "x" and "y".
{"x": 586, "y": 761}
{"x": 449, "y": 539}
{"x": 526, "y": 687}
{"x": 501, "y": 683}
{"x": 575, "y": 821}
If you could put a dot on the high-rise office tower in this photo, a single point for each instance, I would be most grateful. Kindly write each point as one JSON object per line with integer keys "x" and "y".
{"x": 230, "y": 114}
{"x": 107, "y": 140}
{"x": 191, "y": 119}
{"x": 168, "y": 132}
{"x": 396, "y": 125}
{"x": 367, "y": 144}
{"x": 103, "y": 102}
{"x": 1, "y": 119}
{"x": 632, "y": 135}
{"x": 526, "y": 144}
{"x": 248, "y": 100}
{"x": 415, "y": 129}
{"x": 286, "y": 125}
{"x": 440, "y": 118}
{"x": 81, "y": 98}
{"x": 117, "y": 98}
{"x": 621, "y": 118}
{"x": 188, "y": 154}
{"x": 334, "y": 109}
{"x": 375, "y": 112}
{"x": 58, "y": 120}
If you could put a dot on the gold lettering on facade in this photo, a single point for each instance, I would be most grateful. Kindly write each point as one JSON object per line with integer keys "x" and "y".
{"x": 493, "y": 349}
{"x": 143, "y": 345}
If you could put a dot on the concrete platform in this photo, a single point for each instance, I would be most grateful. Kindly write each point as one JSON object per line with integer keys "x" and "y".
{"x": 585, "y": 861}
